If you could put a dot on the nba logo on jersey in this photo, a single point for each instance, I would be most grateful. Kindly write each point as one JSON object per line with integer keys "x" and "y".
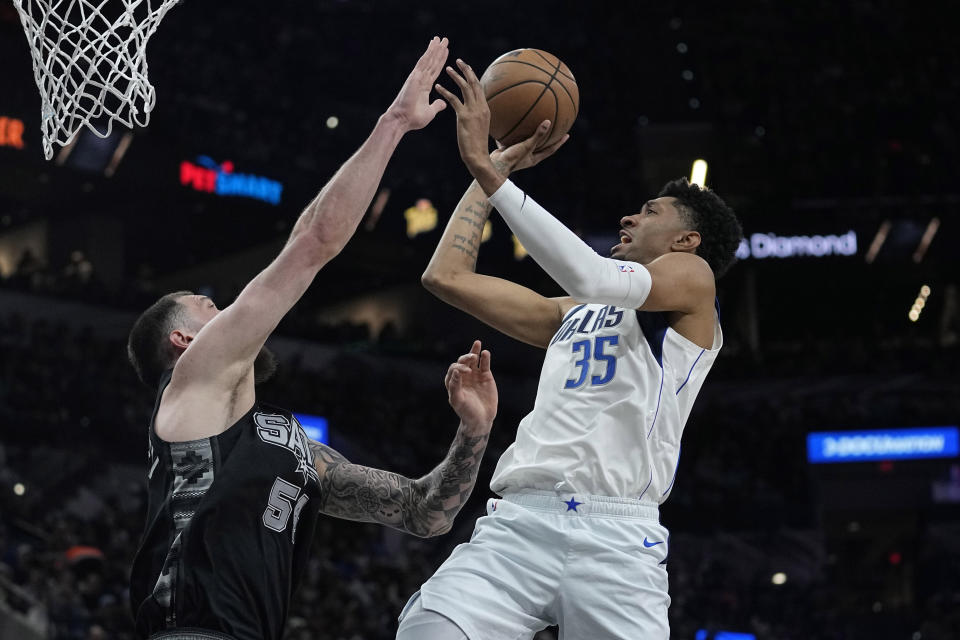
{"x": 625, "y": 268}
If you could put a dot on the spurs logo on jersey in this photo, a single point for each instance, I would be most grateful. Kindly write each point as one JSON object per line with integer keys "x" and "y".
{"x": 277, "y": 429}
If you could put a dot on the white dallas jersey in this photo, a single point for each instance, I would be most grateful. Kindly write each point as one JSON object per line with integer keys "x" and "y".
{"x": 615, "y": 391}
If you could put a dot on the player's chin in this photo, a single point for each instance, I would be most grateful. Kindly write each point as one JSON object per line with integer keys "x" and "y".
{"x": 616, "y": 251}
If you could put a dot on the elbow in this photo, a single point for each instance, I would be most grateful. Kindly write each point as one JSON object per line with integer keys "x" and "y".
{"x": 436, "y": 523}
{"x": 429, "y": 280}
{"x": 438, "y": 531}
{"x": 312, "y": 248}
{"x": 435, "y": 282}
{"x": 327, "y": 245}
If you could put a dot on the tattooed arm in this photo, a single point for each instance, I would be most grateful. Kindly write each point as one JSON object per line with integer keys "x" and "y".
{"x": 451, "y": 274}
{"x": 508, "y": 307}
{"x": 427, "y": 506}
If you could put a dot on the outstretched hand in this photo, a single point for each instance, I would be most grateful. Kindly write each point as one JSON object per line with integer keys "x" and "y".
{"x": 412, "y": 106}
{"x": 527, "y": 153}
{"x": 473, "y": 114}
{"x": 472, "y": 390}
{"x": 473, "y": 128}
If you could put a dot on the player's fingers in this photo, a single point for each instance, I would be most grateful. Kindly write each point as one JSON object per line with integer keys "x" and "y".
{"x": 475, "y": 348}
{"x": 456, "y": 371}
{"x": 531, "y": 143}
{"x": 472, "y": 84}
{"x": 484, "y": 361}
{"x": 469, "y": 359}
{"x": 542, "y": 130}
{"x": 550, "y": 150}
{"x": 448, "y": 376}
{"x": 451, "y": 98}
{"x": 455, "y": 377}
{"x": 437, "y": 106}
{"x": 456, "y": 77}
{"x": 437, "y": 56}
{"x": 471, "y": 77}
{"x": 428, "y": 55}
{"x": 469, "y": 96}
{"x": 472, "y": 81}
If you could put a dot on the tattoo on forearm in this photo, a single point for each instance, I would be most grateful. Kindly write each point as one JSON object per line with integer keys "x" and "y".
{"x": 422, "y": 507}
{"x": 469, "y": 252}
{"x": 474, "y": 221}
{"x": 460, "y": 243}
{"x": 479, "y": 211}
{"x": 475, "y": 215}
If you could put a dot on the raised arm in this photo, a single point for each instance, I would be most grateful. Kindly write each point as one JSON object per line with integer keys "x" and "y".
{"x": 508, "y": 307}
{"x": 221, "y": 355}
{"x": 451, "y": 274}
{"x": 427, "y": 506}
{"x": 684, "y": 282}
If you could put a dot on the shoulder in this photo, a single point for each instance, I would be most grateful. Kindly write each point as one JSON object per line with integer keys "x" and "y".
{"x": 690, "y": 264}
{"x": 681, "y": 282}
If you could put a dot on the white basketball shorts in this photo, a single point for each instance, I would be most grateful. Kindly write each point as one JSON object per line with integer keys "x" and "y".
{"x": 595, "y": 566}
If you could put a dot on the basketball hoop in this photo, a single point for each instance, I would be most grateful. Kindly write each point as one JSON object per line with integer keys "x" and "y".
{"x": 90, "y": 63}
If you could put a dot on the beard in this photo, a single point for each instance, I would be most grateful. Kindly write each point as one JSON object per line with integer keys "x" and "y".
{"x": 264, "y": 366}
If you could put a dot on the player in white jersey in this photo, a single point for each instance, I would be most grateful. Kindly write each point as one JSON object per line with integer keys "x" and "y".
{"x": 575, "y": 539}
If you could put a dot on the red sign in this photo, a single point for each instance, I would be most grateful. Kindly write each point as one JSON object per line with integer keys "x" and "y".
{"x": 11, "y": 132}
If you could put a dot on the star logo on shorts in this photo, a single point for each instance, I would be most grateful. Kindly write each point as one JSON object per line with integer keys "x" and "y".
{"x": 572, "y": 504}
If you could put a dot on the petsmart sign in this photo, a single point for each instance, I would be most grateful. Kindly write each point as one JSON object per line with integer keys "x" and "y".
{"x": 206, "y": 175}
{"x": 884, "y": 444}
{"x": 770, "y": 245}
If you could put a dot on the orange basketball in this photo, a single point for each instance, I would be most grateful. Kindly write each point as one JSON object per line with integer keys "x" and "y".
{"x": 526, "y": 87}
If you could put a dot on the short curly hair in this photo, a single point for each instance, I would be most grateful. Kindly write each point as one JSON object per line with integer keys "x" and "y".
{"x": 720, "y": 231}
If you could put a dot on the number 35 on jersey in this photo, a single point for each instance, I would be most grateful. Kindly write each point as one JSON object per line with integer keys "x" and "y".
{"x": 592, "y": 345}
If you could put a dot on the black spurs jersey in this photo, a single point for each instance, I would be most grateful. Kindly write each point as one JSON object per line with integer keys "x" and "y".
{"x": 230, "y": 520}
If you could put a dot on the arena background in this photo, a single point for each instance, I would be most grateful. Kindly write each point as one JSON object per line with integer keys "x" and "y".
{"x": 817, "y": 118}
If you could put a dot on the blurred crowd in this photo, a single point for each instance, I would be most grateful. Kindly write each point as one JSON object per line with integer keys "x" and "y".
{"x": 744, "y": 505}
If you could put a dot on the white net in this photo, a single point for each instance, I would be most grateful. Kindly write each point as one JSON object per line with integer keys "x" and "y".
{"x": 90, "y": 63}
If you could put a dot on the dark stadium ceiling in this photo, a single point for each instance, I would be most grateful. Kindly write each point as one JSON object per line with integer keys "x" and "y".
{"x": 845, "y": 103}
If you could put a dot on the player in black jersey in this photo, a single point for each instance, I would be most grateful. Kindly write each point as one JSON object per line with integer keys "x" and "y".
{"x": 235, "y": 485}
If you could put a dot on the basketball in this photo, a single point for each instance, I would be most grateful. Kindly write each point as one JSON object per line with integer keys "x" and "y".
{"x": 525, "y": 87}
